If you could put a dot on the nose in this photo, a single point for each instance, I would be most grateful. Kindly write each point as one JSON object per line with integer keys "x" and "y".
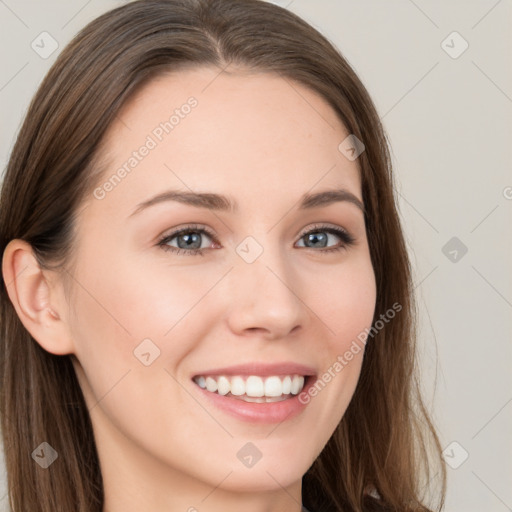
{"x": 265, "y": 298}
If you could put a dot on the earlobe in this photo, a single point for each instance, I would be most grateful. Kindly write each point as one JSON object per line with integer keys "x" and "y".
{"x": 38, "y": 305}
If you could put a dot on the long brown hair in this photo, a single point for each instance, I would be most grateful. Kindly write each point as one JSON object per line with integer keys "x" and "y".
{"x": 386, "y": 441}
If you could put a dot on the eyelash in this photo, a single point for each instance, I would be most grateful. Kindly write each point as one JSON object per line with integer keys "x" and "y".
{"x": 347, "y": 239}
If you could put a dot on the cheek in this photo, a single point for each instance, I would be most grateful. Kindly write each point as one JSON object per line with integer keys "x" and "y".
{"x": 130, "y": 302}
{"x": 347, "y": 305}
{"x": 346, "y": 308}
{"x": 130, "y": 310}
{"x": 122, "y": 315}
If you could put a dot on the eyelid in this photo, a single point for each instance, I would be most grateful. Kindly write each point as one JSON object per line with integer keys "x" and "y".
{"x": 324, "y": 226}
{"x": 186, "y": 229}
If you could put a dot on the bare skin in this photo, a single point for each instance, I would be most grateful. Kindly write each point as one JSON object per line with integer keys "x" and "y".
{"x": 254, "y": 139}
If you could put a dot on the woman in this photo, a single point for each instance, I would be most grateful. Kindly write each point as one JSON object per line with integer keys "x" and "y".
{"x": 206, "y": 299}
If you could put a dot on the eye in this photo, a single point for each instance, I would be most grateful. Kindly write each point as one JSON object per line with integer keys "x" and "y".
{"x": 189, "y": 239}
{"x": 318, "y": 238}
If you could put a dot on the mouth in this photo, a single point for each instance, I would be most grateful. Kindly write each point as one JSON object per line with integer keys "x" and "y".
{"x": 257, "y": 392}
{"x": 254, "y": 388}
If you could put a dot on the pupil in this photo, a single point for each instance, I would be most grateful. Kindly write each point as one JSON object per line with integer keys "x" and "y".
{"x": 314, "y": 237}
{"x": 190, "y": 240}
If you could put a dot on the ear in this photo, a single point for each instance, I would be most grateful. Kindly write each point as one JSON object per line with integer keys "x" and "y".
{"x": 38, "y": 301}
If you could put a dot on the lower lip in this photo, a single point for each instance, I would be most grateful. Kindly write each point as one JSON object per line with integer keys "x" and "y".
{"x": 272, "y": 412}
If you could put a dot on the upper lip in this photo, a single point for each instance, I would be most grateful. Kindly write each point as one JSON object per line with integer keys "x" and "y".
{"x": 263, "y": 369}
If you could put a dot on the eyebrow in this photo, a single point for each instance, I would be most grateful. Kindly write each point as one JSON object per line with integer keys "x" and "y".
{"x": 219, "y": 202}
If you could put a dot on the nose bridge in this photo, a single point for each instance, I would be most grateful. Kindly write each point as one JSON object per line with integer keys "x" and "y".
{"x": 264, "y": 289}
{"x": 264, "y": 260}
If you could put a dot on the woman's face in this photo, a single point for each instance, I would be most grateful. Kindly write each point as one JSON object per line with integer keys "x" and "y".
{"x": 145, "y": 320}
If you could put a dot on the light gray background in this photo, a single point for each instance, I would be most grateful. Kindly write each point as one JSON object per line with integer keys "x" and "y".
{"x": 449, "y": 122}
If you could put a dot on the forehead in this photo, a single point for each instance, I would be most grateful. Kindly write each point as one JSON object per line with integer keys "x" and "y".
{"x": 259, "y": 134}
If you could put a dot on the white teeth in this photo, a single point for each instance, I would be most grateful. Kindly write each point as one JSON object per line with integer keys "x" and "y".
{"x": 211, "y": 384}
{"x": 297, "y": 384}
{"x": 273, "y": 386}
{"x": 223, "y": 386}
{"x": 287, "y": 385}
{"x": 253, "y": 388}
{"x": 237, "y": 386}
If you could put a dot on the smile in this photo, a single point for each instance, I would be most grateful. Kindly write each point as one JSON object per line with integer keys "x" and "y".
{"x": 253, "y": 388}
